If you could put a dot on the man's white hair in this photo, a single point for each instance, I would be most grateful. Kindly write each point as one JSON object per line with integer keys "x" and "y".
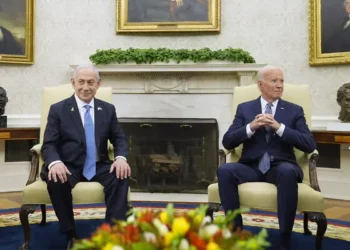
{"x": 261, "y": 73}
{"x": 85, "y": 66}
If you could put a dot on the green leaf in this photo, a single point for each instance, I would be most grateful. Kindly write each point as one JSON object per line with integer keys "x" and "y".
{"x": 143, "y": 246}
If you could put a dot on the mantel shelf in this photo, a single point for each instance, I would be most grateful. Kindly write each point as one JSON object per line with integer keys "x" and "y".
{"x": 181, "y": 67}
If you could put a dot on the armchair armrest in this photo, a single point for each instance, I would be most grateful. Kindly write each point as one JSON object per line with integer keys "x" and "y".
{"x": 34, "y": 168}
{"x": 313, "y": 157}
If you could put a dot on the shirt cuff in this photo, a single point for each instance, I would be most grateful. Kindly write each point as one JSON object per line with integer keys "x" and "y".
{"x": 249, "y": 131}
{"x": 120, "y": 157}
{"x": 280, "y": 130}
{"x": 53, "y": 163}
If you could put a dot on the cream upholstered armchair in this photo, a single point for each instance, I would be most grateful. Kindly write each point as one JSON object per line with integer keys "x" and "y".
{"x": 35, "y": 192}
{"x": 261, "y": 195}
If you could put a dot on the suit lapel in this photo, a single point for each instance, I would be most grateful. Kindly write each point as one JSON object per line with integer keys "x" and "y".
{"x": 75, "y": 116}
{"x": 280, "y": 110}
{"x": 257, "y": 107}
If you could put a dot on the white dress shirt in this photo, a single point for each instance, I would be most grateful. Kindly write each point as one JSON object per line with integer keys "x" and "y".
{"x": 264, "y": 103}
{"x": 82, "y": 111}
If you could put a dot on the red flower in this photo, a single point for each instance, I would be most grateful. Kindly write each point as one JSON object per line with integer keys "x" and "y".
{"x": 196, "y": 241}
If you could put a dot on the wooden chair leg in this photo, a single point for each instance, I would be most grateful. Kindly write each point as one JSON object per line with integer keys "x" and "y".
{"x": 212, "y": 207}
{"x": 43, "y": 214}
{"x": 306, "y": 224}
{"x": 321, "y": 222}
{"x": 23, "y": 216}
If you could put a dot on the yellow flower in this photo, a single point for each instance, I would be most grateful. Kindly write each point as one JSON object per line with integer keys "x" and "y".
{"x": 197, "y": 220}
{"x": 97, "y": 238}
{"x": 163, "y": 216}
{"x": 180, "y": 226}
{"x": 191, "y": 213}
{"x": 213, "y": 246}
{"x": 168, "y": 238}
{"x": 109, "y": 246}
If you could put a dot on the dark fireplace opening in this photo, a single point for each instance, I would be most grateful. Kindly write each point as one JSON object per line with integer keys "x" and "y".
{"x": 170, "y": 154}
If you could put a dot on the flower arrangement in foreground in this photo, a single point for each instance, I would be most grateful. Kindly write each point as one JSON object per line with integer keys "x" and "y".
{"x": 169, "y": 230}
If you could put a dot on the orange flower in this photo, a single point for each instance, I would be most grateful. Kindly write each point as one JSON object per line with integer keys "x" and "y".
{"x": 132, "y": 234}
{"x": 146, "y": 217}
{"x": 199, "y": 243}
{"x": 105, "y": 227}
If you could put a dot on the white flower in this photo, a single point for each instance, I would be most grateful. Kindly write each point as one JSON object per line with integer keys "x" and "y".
{"x": 184, "y": 245}
{"x": 162, "y": 229}
{"x": 208, "y": 231}
{"x": 117, "y": 248}
{"x": 226, "y": 233}
{"x": 207, "y": 219}
{"x": 131, "y": 218}
{"x": 150, "y": 237}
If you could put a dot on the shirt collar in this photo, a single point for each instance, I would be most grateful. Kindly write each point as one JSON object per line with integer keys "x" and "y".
{"x": 81, "y": 103}
{"x": 264, "y": 103}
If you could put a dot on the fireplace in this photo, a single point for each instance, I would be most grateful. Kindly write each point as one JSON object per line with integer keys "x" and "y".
{"x": 170, "y": 154}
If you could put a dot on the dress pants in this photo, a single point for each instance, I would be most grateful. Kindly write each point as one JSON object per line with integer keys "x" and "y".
{"x": 116, "y": 192}
{"x": 284, "y": 175}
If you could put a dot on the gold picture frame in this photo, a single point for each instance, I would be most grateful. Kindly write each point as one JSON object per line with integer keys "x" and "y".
{"x": 329, "y": 33}
{"x": 168, "y": 16}
{"x": 16, "y": 31}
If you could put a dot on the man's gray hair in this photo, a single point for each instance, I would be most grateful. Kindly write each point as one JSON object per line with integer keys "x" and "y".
{"x": 261, "y": 73}
{"x": 85, "y": 66}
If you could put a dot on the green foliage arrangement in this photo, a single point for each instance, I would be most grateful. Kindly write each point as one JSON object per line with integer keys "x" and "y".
{"x": 140, "y": 56}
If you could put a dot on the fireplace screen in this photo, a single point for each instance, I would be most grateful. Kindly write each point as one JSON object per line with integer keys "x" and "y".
{"x": 171, "y": 155}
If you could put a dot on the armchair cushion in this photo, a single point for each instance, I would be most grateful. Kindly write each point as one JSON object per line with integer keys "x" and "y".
{"x": 83, "y": 193}
{"x": 262, "y": 195}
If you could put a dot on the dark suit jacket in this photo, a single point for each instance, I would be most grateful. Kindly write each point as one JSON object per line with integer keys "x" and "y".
{"x": 9, "y": 45}
{"x": 296, "y": 133}
{"x": 64, "y": 137}
{"x": 339, "y": 41}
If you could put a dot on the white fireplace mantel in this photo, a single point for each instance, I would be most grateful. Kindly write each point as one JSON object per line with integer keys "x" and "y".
{"x": 203, "y": 78}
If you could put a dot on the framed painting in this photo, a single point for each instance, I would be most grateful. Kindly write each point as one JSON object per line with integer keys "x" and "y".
{"x": 329, "y": 32}
{"x": 168, "y": 15}
{"x": 16, "y": 31}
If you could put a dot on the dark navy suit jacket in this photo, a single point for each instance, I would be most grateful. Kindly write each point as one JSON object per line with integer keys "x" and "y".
{"x": 64, "y": 137}
{"x": 296, "y": 133}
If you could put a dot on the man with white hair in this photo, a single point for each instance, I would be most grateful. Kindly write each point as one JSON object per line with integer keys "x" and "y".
{"x": 269, "y": 129}
{"x": 75, "y": 149}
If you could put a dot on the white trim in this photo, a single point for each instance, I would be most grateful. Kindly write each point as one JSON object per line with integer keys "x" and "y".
{"x": 23, "y": 121}
{"x": 317, "y": 122}
{"x": 217, "y": 66}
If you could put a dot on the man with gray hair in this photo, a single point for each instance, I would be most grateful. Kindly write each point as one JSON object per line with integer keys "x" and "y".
{"x": 75, "y": 149}
{"x": 269, "y": 129}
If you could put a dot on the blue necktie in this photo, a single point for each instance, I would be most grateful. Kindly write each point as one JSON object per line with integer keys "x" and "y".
{"x": 264, "y": 164}
{"x": 90, "y": 161}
